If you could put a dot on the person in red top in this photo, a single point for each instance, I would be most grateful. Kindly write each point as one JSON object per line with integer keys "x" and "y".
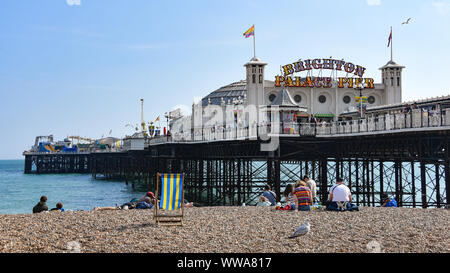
{"x": 303, "y": 194}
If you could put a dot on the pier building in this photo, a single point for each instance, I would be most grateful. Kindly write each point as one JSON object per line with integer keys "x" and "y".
{"x": 327, "y": 91}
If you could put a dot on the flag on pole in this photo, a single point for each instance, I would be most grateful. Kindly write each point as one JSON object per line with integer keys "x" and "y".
{"x": 390, "y": 38}
{"x": 250, "y": 32}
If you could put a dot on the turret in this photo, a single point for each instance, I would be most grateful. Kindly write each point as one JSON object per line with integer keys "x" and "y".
{"x": 255, "y": 82}
{"x": 391, "y": 75}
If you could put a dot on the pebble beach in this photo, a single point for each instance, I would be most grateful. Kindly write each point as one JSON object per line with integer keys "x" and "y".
{"x": 229, "y": 230}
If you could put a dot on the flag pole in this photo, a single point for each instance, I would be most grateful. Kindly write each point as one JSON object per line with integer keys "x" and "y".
{"x": 254, "y": 43}
{"x": 392, "y": 38}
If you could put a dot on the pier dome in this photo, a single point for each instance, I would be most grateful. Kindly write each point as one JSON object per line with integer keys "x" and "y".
{"x": 228, "y": 93}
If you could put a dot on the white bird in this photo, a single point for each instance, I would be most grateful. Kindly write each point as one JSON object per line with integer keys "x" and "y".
{"x": 301, "y": 230}
{"x": 406, "y": 22}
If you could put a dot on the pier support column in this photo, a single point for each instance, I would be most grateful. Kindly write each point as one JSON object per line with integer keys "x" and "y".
{"x": 277, "y": 179}
{"x": 438, "y": 185}
{"x": 423, "y": 184}
{"x": 381, "y": 181}
{"x": 28, "y": 164}
{"x": 323, "y": 181}
{"x": 397, "y": 183}
{"x": 447, "y": 182}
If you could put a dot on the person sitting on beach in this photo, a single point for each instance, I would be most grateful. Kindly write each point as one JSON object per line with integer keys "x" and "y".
{"x": 41, "y": 206}
{"x": 59, "y": 207}
{"x": 340, "y": 194}
{"x": 303, "y": 194}
{"x": 270, "y": 195}
{"x": 311, "y": 184}
{"x": 291, "y": 199}
{"x": 149, "y": 198}
{"x": 263, "y": 202}
{"x": 388, "y": 201}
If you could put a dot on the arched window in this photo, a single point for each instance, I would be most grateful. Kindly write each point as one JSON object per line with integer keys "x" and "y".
{"x": 254, "y": 78}
{"x": 260, "y": 79}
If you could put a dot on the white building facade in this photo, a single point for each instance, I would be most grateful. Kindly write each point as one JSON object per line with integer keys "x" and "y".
{"x": 320, "y": 93}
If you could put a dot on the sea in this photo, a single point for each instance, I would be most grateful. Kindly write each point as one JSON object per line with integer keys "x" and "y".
{"x": 19, "y": 192}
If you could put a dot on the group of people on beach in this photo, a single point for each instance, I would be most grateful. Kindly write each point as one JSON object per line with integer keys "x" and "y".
{"x": 302, "y": 195}
{"x": 42, "y": 206}
{"x": 145, "y": 202}
{"x": 299, "y": 196}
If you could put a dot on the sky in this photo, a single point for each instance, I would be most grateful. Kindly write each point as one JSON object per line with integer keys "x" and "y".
{"x": 80, "y": 67}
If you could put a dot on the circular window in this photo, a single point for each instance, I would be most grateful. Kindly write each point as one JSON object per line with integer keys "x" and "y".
{"x": 346, "y": 99}
{"x": 297, "y": 98}
{"x": 371, "y": 99}
{"x": 272, "y": 97}
{"x": 322, "y": 99}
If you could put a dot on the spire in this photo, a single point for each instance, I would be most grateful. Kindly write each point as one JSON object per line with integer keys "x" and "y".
{"x": 283, "y": 98}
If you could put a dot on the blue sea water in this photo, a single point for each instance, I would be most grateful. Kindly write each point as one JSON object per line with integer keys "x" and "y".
{"x": 19, "y": 192}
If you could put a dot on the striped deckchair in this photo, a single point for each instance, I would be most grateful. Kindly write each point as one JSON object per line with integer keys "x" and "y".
{"x": 171, "y": 198}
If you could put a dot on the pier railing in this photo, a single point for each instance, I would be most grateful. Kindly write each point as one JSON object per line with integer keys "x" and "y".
{"x": 113, "y": 150}
{"x": 417, "y": 119}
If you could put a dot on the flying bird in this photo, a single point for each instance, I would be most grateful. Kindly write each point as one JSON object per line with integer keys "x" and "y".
{"x": 301, "y": 230}
{"x": 407, "y": 21}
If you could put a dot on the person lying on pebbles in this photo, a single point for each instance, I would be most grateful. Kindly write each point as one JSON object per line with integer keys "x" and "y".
{"x": 145, "y": 202}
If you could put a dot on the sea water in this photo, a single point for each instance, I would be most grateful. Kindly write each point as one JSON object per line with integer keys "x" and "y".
{"x": 19, "y": 192}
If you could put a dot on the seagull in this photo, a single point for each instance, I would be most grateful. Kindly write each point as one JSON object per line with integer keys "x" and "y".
{"x": 301, "y": 230}
{"x": 406, "y": 22}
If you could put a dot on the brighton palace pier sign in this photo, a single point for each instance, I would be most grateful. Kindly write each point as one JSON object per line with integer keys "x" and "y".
{"x": 323, "y": 82}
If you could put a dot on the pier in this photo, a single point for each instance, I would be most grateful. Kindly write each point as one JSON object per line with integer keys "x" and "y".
{"x": 404, "y": 155}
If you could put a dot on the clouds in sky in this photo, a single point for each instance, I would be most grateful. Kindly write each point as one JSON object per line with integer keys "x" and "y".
{"x": 373, "y": 2}
{"x": 73, "y": 2}
{"x": 442, "y": 7}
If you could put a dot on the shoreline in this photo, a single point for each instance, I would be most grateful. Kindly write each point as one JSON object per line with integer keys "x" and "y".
{"x": 228, "y": 230}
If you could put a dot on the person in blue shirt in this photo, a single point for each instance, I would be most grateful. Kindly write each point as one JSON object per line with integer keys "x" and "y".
{"x": 269, "y": 195}
{"x": 59, "y": 206}
{"x": 388, "y": 201}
